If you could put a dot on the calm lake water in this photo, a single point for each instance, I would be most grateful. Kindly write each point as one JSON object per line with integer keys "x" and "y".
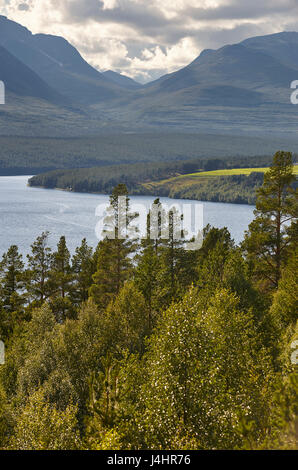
{"x": 27, "y": 212}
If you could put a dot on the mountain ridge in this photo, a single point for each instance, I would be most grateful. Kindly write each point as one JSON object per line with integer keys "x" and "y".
{"x": 21, "y": 80}
{"x": 57, "y": 62}
{"x": 241, "y": 88}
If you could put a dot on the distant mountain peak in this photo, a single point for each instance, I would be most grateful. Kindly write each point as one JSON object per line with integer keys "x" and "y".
{"x": 59, "y": 64}
{"x": 7, "y": 23}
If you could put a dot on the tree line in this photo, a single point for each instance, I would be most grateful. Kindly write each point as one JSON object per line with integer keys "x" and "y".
{"x": 147, "y": 345}
{"x": 233, "y": 189}
{"x": 238, "y": 188}
{"x": 33, "y": 155}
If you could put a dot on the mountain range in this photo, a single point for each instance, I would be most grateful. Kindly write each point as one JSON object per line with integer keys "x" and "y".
{"x": 241, "y": 88}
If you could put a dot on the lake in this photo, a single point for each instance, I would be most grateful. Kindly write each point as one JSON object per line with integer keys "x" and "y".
{"x": 27, "y": 212}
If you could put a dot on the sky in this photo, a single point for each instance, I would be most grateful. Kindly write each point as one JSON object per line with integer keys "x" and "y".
{"x": 145, "y": 39}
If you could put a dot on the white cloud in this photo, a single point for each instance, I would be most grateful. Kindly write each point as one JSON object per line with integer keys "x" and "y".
{"x": 144, "y": 38}
{"x": 153, "y": 61}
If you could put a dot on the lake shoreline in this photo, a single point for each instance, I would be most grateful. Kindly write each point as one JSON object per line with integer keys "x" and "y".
{"x": 142, "y": 194}
{"x": 27, "y": 211}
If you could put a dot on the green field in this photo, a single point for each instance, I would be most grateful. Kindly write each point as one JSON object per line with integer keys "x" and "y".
{"x": 216, "y": 185}
{"x": 229, "y": 172}
{"x": 234, "y": 171}
{"x": 191, "y": 178}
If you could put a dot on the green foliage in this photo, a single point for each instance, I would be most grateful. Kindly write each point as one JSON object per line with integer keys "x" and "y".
{"x": 127, "y": 319}
{"x": 284, "y": 306}
{"x": 29, "y": 360}
{"x": 268, "y": 236}
{"x": 11, "y": 291}
{"x": 113, "y": 252}
{"x": 6, "y": 420}
{"x": 83, "y": 269}
{"x": 32, "y": 155}
{"x": 152, "y": 346}
{"x": 163, "y": 179}
{"x": 38, "y": 274}
{"x": 204, "y": 370}
{"x": 147, "y": 281}
{"x": 236, "y": 189}
{"x": 40, "y": 426}
{"x": 61, "y": 279}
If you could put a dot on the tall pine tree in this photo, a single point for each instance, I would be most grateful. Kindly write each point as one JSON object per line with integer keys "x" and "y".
{"x": 38, "y": 282}
{"x": 61, "y": 278}
{"x": 269, "y": 235}
{"x": 83, "y": 268}
{"x": 12, "y": 298}
{"x": 114, "y": 260}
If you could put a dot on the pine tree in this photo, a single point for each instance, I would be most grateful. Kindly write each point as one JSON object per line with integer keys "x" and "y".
{"x": 38, "y": 283}
{"x": 114, "y": 262}
{"x": 269, "y": 235}
{"x": 83, "y": 269}
{"x": 61, "y": 280}
{"x": 212, "y": 236}
{"x": 212, "y": 259}
{"x": 171, "y": 255}
{"x": 12, "y": 298}
{"x": 157, "y": 227}
{"x": 11, "y": 278}
{"x": 149, "y": 260}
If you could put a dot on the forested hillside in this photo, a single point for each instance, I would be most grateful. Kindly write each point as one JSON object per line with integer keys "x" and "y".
{"x": 104, "y": 178}
{"x": 149, "y": 345}
{"x": 179, "y": 179}
{"x": 27, "y": 155}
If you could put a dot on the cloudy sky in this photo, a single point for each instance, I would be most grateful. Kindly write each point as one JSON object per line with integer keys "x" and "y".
{"x": 148, "y": 38}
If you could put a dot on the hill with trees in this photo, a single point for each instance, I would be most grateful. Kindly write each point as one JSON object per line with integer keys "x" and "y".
{"x": 30, "y": 156}
{"x": 215, "y": 180}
